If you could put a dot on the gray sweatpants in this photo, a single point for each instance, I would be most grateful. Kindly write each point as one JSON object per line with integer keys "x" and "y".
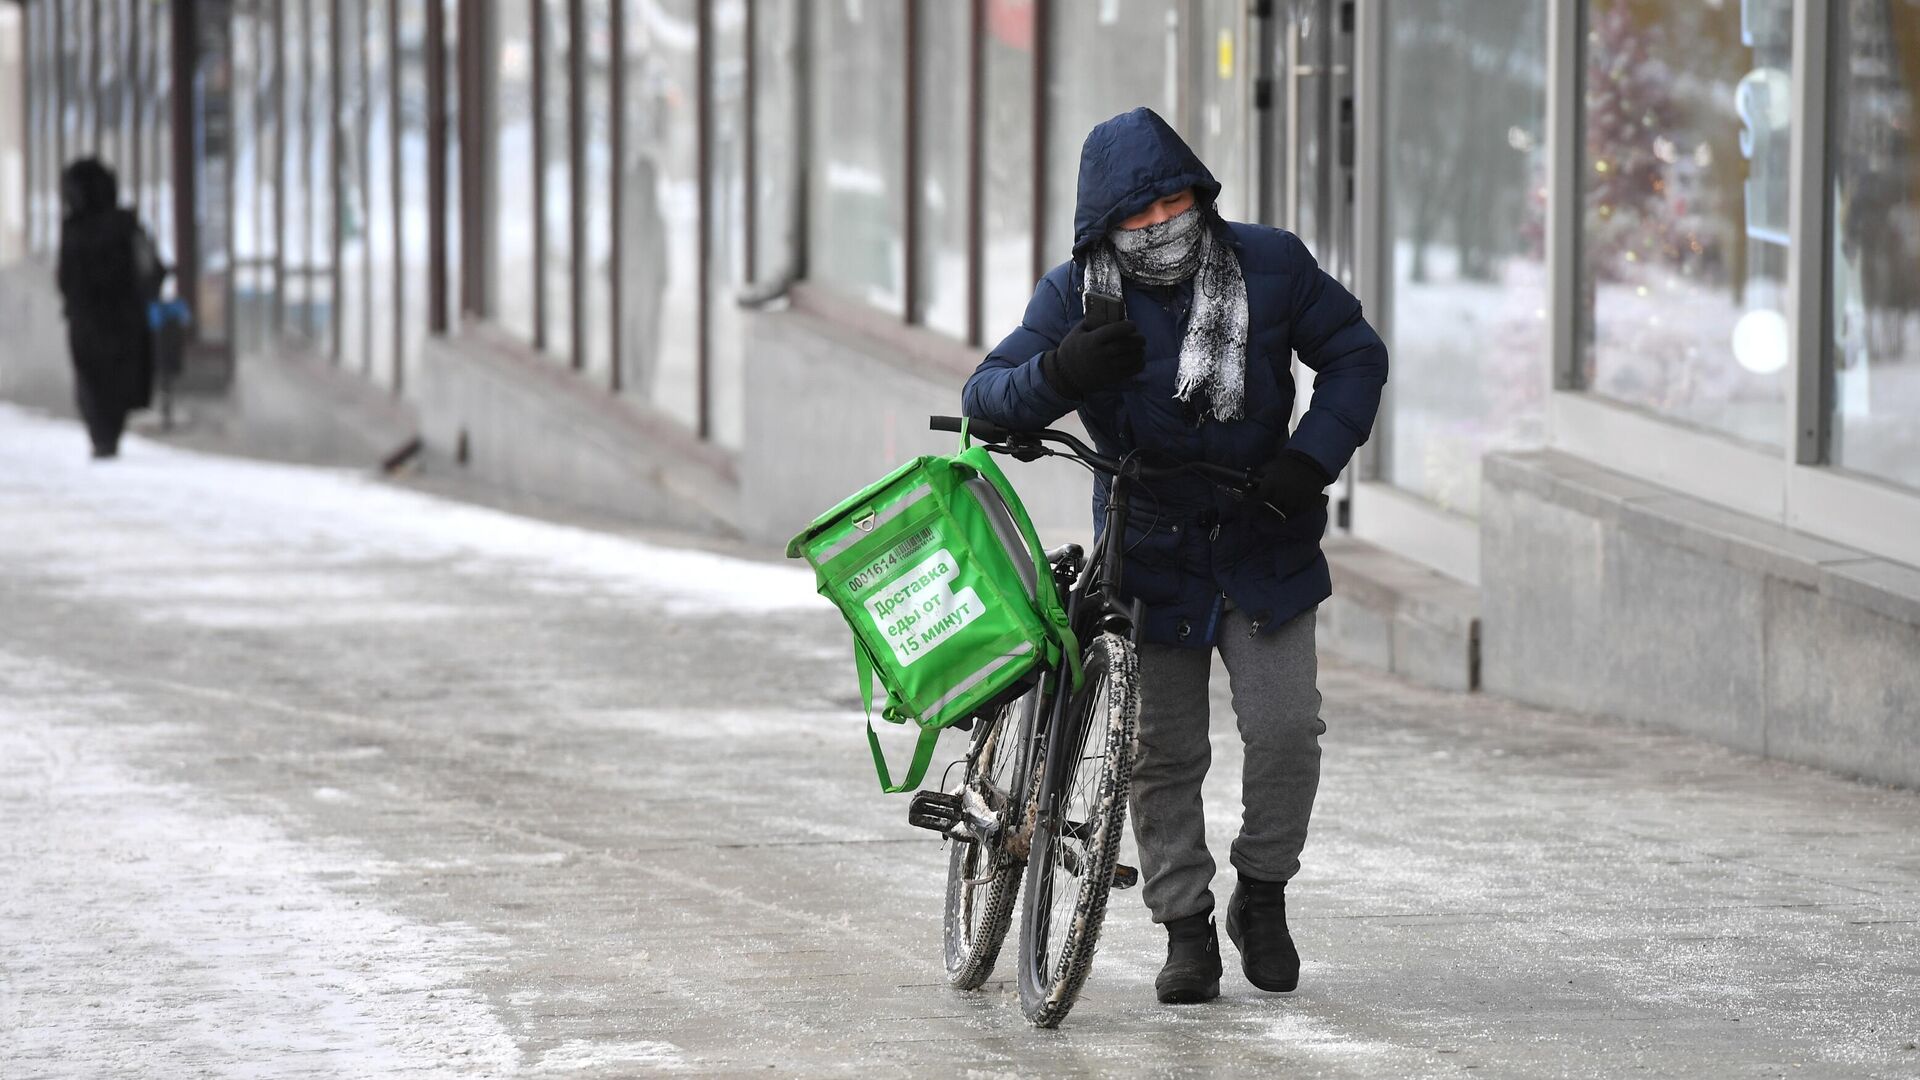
{"x": 1277, "y": 705}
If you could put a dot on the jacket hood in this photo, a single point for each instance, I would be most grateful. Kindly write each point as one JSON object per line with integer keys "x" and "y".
{"x": 1125, "y": 164}
{"x": 89, "y": 187}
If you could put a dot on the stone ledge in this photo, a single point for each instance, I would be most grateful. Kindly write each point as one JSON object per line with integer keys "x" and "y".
{"x": 1391, "y": 613}
{"x": 1608, "y": 595}
{"x": 1741, "y": 540}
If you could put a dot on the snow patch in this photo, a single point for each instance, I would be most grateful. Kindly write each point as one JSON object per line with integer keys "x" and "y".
{"x": 147, "y": 930}
{"x": 202, "y": 510}
{"x": 579, "y": 1054}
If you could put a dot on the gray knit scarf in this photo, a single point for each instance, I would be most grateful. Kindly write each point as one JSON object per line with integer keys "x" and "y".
{"x": 1213, "y": 355}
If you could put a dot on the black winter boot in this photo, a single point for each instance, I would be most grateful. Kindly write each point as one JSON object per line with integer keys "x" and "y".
{"x": 1257, "y": 923}
{"x": 1192, "y": 973}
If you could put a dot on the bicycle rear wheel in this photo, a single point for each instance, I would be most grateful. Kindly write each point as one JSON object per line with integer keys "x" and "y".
{"x": 983, "y": 877}
{"x": 1076, "y": 837}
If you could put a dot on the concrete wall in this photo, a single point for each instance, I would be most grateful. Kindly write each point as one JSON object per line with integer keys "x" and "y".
{"x": 1608, "y": 595}
{"x": 830, "y": 410}
{"x": 34, "y": 366}
{"x": 522, "y": 423}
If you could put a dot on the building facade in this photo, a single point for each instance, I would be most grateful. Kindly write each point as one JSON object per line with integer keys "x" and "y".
{"x": 1647, "y": 269}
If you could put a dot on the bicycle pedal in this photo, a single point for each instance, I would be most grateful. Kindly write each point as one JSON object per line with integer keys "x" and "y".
{"x": 1124, "y": 876}
{"x": 935, "y": 810}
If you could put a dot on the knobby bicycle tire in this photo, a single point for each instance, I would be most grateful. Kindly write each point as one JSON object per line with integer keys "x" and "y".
{"x": 984, "y": 879}
{"x": 1076, "y": 840}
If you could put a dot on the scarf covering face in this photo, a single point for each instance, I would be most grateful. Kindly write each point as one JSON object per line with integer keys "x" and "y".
{"x": 1213, "y": 354}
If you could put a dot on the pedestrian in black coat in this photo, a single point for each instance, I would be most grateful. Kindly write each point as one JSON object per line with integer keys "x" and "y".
{"x": 108, "y": 273}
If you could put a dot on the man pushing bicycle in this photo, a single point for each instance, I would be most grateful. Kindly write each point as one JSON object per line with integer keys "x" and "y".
{"x": 1170, "y": 332}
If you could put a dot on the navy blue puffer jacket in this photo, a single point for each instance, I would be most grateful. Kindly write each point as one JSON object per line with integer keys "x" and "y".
{"x": 1188, "y": 544}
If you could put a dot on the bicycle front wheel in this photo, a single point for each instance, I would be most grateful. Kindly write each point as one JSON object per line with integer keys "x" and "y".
{"x": 1076, "y": 837}
{"x": 983, "y": 877}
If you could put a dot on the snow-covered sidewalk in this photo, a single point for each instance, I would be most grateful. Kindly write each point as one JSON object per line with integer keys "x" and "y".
{"x": 304, "y": 774}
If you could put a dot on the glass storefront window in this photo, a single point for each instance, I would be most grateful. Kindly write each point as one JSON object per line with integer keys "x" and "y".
{"x": 296, "y": 228}
{"x": 383, "y": 254}
{"x": 660, "y": 209}
{"x": 779, "y": 112}
{"x": 1006, "y": 168}
{"x": 597, "y": 156}
{"x": 944, "y": 32}
{"x": 1876, "y": 244}
{"x": 251, "y": 321}
{"x": 350, "y": 173}
{"x": 162, "y": 132}
{"x": 1108, "y": 57}
{"x": 556, "y": 277}
{"x": 68, "y": 146}
{"x": 1467, "y": 218}
{"x": 212, "y": 120}
{"x": 1218, "y": 55}
{"x": 855, "y": 240}
{"x": 106, "y": 87}
{"x": 456, "y": 260}
{"x": 40, "y": 194}
{"x": 726, "y": 221}
{"x": 514, "y": 273}
{"x": 320, "y": 177}
{"x": 1685, "y": 173}
{"x": 412, "y": 178}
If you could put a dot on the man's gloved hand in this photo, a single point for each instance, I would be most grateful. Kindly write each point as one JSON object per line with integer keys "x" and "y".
{"x": 1089, "y": 360}
{"x": 1293, "y": 483}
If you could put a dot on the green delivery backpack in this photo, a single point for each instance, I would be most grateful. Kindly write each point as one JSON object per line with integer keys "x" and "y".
{"x": 937, "y": 570}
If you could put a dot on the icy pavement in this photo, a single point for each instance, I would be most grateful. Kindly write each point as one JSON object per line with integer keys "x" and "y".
{"x": 302, "y": 774}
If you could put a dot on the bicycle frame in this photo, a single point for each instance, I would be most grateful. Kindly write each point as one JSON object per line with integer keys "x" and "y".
{"x": 1093, "y": 601}
{"x": 1094, "y": 605}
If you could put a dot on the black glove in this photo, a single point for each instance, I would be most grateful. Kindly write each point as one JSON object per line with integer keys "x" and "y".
{"x": 1293, "y": 483}
{"x": 1089, "y": 360}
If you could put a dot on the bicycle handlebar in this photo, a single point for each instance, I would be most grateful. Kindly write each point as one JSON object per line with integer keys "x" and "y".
{"x": 1240, "y": 481}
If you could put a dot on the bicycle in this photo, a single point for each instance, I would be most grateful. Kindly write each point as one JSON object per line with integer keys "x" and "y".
{"x": 1045, "y": 782}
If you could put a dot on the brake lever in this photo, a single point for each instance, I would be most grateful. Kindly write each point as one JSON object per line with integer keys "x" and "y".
{"x": 1026, "y": 448}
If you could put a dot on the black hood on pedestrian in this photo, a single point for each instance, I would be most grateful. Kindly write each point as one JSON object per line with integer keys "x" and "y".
{"x": 1127, "y": 163}
{"x": 89, "y": 187}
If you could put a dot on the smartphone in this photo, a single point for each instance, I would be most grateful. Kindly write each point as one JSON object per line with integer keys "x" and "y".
{"x": 1102, "y": 310}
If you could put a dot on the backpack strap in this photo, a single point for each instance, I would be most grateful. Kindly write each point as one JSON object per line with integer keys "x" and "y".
{"x": 1059, "y": 625}
{"x": 922, "y": 750}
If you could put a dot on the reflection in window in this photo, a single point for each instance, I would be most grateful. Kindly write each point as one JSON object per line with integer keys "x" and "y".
{"x": 319, "y": 170}
{"x": 660, "y": 210}
{"x": 162, "y": 129}
{"x": 778, "y": 114}
{"x": 252, "y": 320}
{"x": 412, "y": 178}
{"x": 942, "y": 70}
{"x": 456, "y": 283}
{"x": 1219, "y": 56}
{"x": 33, "y": 55}
{"x": 512, "y": 289}
{"x": 1467, "y": 219}
{"x": 597, "y": 349}
{"x": 296, "y": 229}
{"x": 106, "y": 85}
{"x": 350, "y": 173}
{"x": 1006, "y": 168}
{"x": 383, "y": 256}
{"x": 726, "y": 222}
{"x": 1876, "y": 218}
{"x": 556, "y": 278}
{"x": 855, "y": 240}
{"x": 1088, "y": 81}
{"x": 211, "y": 77}
{"x": 1688, "y": 121}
